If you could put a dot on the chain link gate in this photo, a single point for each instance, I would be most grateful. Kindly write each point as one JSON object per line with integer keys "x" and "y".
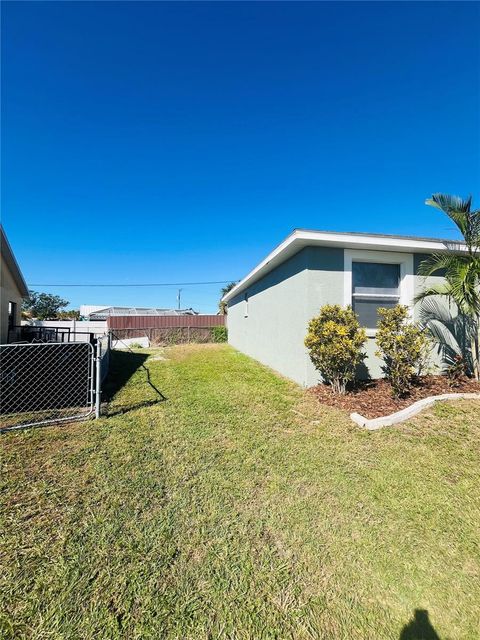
{"x": 102, "y": 359}
{"x": 43, "y": 383}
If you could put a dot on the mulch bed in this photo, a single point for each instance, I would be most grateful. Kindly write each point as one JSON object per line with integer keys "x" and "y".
{"x": 374, "y": 399}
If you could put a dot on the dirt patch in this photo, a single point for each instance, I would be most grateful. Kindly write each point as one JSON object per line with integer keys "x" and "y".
{"x": 374, "y": 399}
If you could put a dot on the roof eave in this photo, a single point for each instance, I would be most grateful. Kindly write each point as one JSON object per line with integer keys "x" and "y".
{"x": 301, "y": 238}
{"x": 12, "y": 264}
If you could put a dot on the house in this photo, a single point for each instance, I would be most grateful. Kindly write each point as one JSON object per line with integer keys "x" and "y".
{"x": 86, "y": 309}
{"x": 12, "y": 289}
{"x": 102, "y": 313}
{"x": 269, "y": 309}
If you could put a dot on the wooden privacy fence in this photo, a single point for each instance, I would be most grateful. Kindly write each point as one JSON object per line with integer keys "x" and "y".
{"x": 162, "y": 322}
{"x": 166, "y": 329}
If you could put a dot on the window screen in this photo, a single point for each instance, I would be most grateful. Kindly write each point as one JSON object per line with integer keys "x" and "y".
{"x": 374, "y": 285}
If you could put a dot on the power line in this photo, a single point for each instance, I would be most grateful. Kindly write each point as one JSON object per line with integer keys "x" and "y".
{"x": 141, "y": 284}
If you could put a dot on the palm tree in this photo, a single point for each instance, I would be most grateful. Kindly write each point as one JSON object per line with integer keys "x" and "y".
{"x": 222, "y": 306}
{"x": 460, "y": 265}
{"x": 450, "y": 330}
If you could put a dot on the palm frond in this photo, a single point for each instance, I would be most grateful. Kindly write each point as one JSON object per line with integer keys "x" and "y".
{"x": 444, "y": 334}
{"x": 448, "y": 203}
{"x": 474, "y": 233}
{"x": 462, "y": 275}
{"x": 437, "y": 290}
{"x": 456, "y": 208}
{"x": 450, "y": 330}
{"x": 462, "y": 280}
{"x": 433, "y": 308}
{"x": 440, "y": 262}
{"x": 227, "y": 288}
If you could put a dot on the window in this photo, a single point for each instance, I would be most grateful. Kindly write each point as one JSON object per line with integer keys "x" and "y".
{"x": 245, "y": 301}
{"x": 374, "y": 285}
{"x": 12, "y": 314}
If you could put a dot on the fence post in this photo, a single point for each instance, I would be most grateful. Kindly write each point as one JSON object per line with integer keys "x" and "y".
{"x": 98, "y": 378}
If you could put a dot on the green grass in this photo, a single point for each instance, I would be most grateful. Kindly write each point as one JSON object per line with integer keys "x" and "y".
{"x": 238, "y": 508}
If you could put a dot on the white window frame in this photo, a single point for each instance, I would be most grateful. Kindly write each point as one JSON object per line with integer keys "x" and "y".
{"x": 407, "y": 277}
{"x": 12, "y": 314}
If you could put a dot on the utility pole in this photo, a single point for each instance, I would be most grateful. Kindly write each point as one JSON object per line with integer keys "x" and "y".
{"x": 179, "y": 298}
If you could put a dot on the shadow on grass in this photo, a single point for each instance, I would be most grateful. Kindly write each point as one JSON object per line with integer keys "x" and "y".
{"x": 419, "y": 628}
{"x": 123, "y": 365}
{"x": 117, "y": 410}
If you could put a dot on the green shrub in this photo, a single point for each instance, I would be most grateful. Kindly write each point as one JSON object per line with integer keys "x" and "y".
{"x": 335, "y": 341}
{"x": 219, "y": 334}
{"x": 403, "y": 346}
{"x": 456, "y": 371}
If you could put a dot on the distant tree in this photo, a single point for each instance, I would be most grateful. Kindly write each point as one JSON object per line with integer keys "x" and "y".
{"x": 43, "y": 306}
{"x": 222, "y": 306}
{"x": 70, "y": 314}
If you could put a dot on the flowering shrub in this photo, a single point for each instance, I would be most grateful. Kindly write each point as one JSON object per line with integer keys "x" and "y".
{"x": 335, "y": 341}
{"x": 403, "y": 347}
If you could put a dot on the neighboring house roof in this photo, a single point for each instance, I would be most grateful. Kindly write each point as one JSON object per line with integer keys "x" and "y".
{"x": 301, "y": 238}
{"x": 12, "y": 264}
{"x": 87, "y": 309}
{"x": 139, "y": 311}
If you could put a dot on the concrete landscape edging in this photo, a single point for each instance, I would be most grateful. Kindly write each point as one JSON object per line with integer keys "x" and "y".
{"x": 408, "y": 412}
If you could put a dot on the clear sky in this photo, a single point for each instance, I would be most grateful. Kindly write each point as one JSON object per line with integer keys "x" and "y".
{"x": 169, "y": 142}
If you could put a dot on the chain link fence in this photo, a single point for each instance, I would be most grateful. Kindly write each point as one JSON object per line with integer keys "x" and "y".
{"x": 167, "y": 336}
{"x": 103, "y": 345}
{"x": 43, "y": 383}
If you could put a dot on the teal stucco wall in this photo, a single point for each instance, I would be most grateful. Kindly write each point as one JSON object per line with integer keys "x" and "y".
{"x": 279, "y": 307}
{"x": 281, "y": 304}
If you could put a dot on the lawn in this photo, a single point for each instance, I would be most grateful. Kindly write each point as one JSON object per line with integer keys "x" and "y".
{"x": 238, "y": 507}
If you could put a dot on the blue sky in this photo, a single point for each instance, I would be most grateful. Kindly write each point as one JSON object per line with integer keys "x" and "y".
{"x": 170, "y": 142}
